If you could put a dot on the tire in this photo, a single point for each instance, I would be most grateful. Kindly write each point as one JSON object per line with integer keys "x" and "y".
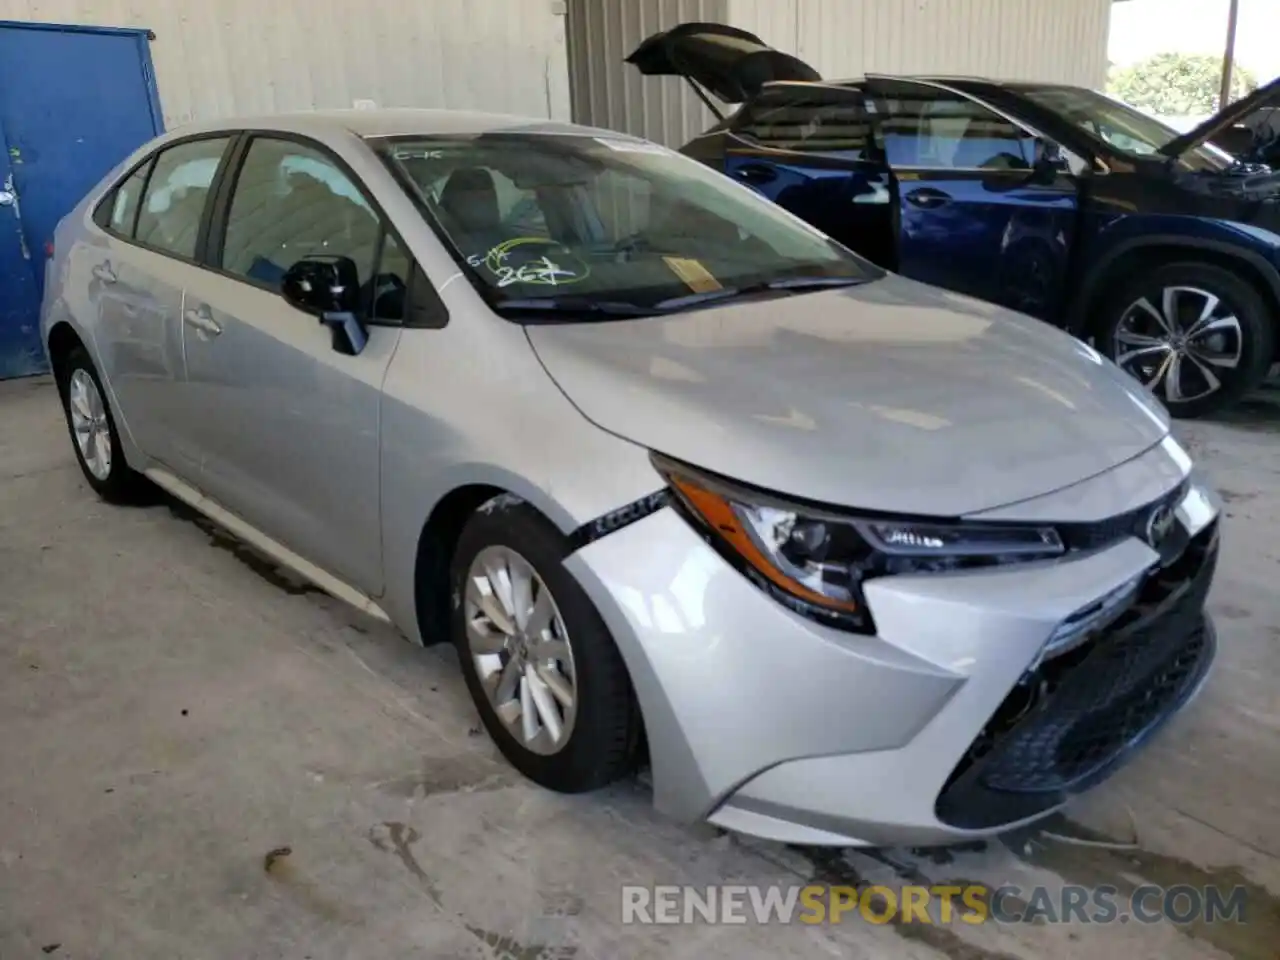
{"x": 111, "y": 478}
{"x": 598, "y": 743}
{"x": 1125, "y": 325}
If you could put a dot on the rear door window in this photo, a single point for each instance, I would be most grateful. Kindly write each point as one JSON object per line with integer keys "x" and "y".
{"x": 177, "y": 193}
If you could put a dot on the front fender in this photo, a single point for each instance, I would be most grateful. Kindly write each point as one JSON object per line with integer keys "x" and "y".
{"x": 1125, "y": 236}
{"x": 470, "y": 405}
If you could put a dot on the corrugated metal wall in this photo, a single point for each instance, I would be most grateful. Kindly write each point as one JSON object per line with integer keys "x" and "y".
{"x": 220, "y": 57}
{"x": 610, "y": 93}
{"x": 1061, "y": 40}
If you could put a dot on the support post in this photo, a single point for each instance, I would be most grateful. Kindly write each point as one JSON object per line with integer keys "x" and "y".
{"x": 1229, "y": 55}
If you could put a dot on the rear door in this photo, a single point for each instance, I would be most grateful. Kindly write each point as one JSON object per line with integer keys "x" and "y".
{"x": 153, "y": 222}
{"x": 288, "y": 428}
{"x": 810, "y": 149}
{"x": 973, "y": 217}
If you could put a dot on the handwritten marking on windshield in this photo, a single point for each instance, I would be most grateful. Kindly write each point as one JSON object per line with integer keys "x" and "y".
{"x": 539, "y": 272}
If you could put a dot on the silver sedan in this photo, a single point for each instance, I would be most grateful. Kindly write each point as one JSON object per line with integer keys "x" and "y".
{"x": 846, "y": 558}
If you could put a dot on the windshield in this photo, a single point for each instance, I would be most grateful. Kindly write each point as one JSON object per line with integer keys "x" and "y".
{"x": 609, "y": 222}
{"x": 1121, "y": 126}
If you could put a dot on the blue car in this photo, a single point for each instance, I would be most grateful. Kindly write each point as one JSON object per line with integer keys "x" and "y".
{"x": 1159, "y": 247}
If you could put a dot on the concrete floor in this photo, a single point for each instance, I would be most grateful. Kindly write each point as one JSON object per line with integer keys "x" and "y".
{"x": 170, "y": 715}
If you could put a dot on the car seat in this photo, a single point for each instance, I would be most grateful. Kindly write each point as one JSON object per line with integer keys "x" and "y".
{"x": 469, "y": 204}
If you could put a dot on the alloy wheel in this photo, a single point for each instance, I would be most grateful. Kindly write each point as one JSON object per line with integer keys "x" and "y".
{"x": 89, "y": 423}
{"x": 520, "y": 648}
{"x": 1181, "y": 349}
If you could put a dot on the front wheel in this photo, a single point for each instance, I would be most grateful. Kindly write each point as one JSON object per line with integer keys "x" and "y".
{"x": 1196, "y": 335}
{"x": 538, "y": 659}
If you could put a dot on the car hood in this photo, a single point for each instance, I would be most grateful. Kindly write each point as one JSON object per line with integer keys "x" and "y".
{"x": 733, "y": 64}
{"x": 1234, "y": 113}
{"x": 891, "y": 396}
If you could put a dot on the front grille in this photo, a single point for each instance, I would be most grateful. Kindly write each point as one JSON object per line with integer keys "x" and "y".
{"x": 1073, "y": 719}
{"x": 1103, "y": 533}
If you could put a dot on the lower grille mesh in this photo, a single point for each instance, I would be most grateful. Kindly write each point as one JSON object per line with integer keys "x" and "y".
{"x": 1075, "y": 718}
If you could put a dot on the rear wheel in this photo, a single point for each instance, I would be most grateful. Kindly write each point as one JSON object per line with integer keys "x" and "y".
{"x": 539, "y": 661}
{"x": 1196, "y": 335}
{"x": 93, "y": 431}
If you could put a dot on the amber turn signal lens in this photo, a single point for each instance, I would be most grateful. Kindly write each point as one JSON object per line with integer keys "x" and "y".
{"x": 718, "y": 513}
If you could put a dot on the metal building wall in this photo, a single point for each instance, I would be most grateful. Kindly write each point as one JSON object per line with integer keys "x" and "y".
{"x": 607, "y": 92}
{"x": 1060, "y": 40}
{"x": 222, "y": 57}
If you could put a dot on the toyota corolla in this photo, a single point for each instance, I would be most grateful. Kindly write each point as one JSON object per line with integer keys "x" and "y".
{"x": 842, "y": 557}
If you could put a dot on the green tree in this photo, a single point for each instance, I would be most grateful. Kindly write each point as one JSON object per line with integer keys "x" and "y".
{"x": 1177, "y": 84}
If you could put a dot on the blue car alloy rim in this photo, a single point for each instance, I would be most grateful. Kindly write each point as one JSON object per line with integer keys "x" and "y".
{"x": 1181, "y": 348}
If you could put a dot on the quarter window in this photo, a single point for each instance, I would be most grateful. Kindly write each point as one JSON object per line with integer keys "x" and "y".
{"x": 291, "y": 201}
{"x": 176, "y": 195}
{"x": 939, "y": 129}
{"x": 120, "y": 208}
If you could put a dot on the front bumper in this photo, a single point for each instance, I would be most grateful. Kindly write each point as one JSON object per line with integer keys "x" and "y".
{"x": 769, "y": 724}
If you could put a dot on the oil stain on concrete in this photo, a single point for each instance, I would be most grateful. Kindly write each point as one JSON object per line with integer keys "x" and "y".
{"x": 442, "y": 776}
{"x": 398, "y": 839}
{"x": 283, "y": 870}
{"x": 266, "y": 568}
{"x": 1104, "y": 862}
{"x": 832, "y": 867}
{"x": 502, "y": 947}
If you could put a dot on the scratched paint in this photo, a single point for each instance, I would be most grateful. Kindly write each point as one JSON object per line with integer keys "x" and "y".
{"x": 16, "y": 207}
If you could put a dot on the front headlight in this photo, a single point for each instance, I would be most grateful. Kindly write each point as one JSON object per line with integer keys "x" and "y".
{"x": 815, "y": 560}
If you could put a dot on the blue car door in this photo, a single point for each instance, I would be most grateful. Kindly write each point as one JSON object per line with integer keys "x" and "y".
{"x": 810, "y": 150}
{"x": 977, "y": 213}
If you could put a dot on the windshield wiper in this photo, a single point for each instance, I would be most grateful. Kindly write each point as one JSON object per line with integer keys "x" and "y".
{"x": 752, "y": 289}
{"x": 569, "y": 306}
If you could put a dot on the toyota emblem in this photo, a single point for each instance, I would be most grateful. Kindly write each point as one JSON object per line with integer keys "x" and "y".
{"x": 1159, "y": 524}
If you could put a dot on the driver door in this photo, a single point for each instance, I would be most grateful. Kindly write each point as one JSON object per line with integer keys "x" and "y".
{"x": 287, "y": 427}
{"x": 974, "y": 217}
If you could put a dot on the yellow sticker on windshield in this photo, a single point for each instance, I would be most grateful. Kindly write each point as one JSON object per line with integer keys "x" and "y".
{"x": 695, "y": 276}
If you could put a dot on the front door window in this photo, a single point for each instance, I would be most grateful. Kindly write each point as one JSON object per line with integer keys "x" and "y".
{"x": 972, "y": 217}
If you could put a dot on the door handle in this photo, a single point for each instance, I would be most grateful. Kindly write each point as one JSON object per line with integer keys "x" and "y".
{"x": 203, "y": 323}
{"x": 103, "y": 272}
{"x": 928, "y": 198}
{"x": 755, "y": 173}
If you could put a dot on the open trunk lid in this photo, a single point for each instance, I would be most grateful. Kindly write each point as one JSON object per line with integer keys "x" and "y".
{"x": 730, "y": 63}
{"x": 1235, "y": 114}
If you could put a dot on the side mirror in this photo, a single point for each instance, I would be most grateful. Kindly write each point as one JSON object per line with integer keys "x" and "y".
{"x": 1050, "y": 162}
{"x": 329, "y": 287}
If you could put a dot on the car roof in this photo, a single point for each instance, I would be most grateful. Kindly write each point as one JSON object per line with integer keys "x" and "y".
{"x": 321, "y": 124}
